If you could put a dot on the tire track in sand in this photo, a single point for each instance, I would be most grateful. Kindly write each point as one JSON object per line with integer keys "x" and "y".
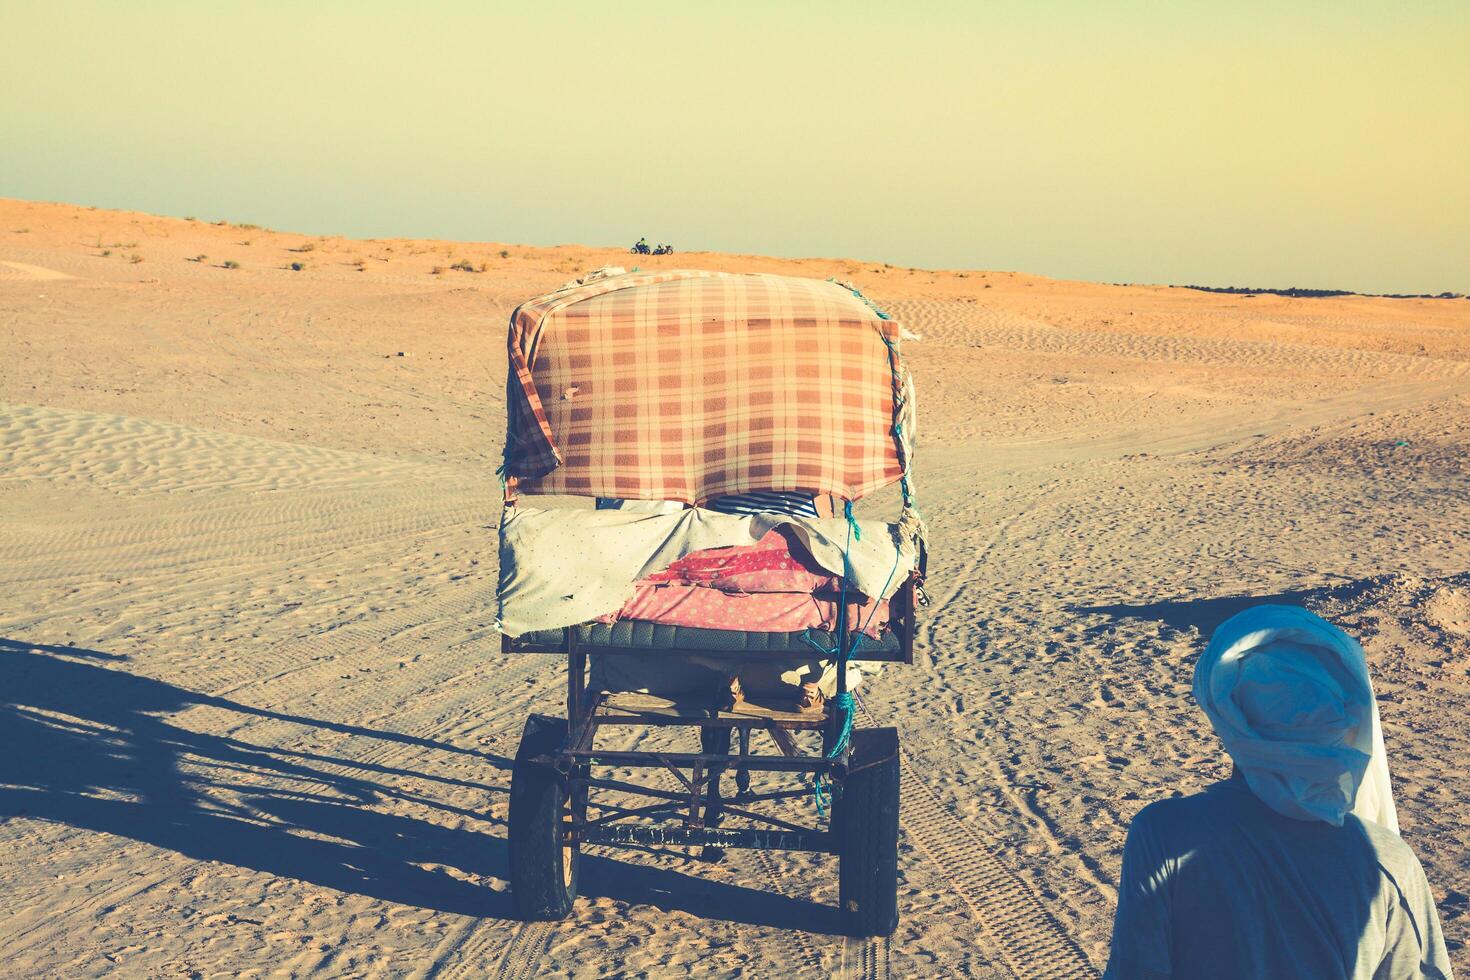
{"x": 796, "y": 945}
{"x": 868, "y": 958}
{"x": 1028, "y": 937}
{"x": 522, "y": 959}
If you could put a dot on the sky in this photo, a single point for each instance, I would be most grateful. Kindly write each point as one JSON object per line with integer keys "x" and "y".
{"x": 1322, "y": 144}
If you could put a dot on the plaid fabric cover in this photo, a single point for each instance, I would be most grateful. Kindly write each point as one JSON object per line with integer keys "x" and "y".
{"x": 688, "y": 385}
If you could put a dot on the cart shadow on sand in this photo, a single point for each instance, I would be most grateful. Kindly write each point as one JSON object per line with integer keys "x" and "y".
{"x": 1206, "y": 614}
{"x": 91, "y": 746}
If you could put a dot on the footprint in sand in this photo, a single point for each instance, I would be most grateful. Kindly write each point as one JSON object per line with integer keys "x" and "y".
{"x": 33, "y": 273}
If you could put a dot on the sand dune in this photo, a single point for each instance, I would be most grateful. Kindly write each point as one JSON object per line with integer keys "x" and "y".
{"x": 257, "y": 717}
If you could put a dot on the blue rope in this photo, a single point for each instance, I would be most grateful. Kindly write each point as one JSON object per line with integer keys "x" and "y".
{"x": 869, "y": 303}
{"x": 842, "y": 704}
{"x": 821, "y": 795}
{"x": 903, "y": 480}
{"x": 846, "y": 562}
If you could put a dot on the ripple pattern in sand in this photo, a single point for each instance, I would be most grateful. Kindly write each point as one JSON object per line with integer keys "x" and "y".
{"x": 140, "y": 455}
{"x": 973, "y": 324}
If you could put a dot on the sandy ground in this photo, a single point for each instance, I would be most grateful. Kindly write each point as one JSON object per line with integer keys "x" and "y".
{"x": 256, "y": 721}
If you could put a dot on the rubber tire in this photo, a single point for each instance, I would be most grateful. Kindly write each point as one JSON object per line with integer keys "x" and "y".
{"x": 865, "y": 824}
{"x": 541, "y": 889}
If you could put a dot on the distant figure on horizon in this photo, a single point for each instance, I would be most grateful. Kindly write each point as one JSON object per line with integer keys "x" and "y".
{"x": 1293, "y": 867}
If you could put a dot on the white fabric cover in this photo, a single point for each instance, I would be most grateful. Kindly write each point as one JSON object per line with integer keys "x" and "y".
{"x": 1289, "y": 695}
{"x": 564, "y": 567}
{"x": 640, "y": 506}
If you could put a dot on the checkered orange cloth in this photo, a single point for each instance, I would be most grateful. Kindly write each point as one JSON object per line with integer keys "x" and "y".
{"x": 689, "y": 385}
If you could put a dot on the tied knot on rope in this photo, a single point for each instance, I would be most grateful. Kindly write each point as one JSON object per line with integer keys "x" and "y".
{"x": 842, "y": 706}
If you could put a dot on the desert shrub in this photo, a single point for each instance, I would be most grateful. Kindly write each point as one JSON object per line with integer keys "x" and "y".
{"x": 305, "y": 247}
{"x": 106, "y": 252}
{"x": 198, "y": 258}
{"x": 438, "y": 270}
{"x": 135, "y": 258}
{"x": 463, "y": 265}
{"x": 231, "y": 264}
{"x": 505, "y": 253}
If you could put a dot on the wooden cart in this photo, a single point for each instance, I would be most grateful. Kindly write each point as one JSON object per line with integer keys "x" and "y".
{"x": 564, "y": 793}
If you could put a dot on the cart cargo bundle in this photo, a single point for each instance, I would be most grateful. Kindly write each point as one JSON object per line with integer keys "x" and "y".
{"x": 726, "y": 424}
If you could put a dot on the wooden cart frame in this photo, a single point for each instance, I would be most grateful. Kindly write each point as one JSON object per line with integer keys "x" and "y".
{"x": 557, "y": 776}
{"x": 563, "y": 795}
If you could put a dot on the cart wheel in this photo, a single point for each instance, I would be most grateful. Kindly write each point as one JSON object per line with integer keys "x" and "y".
{"x": 543, "y": 868}
{"x": 865, "y": 823}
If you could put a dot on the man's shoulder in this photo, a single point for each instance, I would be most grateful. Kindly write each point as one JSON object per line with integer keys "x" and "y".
{"x": 1393, "y": 855}
{"x": 1183, "y": 814}
{"x": 1212, "y": 797}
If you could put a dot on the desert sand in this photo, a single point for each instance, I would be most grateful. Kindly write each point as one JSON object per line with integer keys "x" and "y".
{"x": 255, "y": 717}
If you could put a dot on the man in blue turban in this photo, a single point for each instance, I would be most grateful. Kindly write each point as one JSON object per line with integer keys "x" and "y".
{"x": 1293, "y": 867}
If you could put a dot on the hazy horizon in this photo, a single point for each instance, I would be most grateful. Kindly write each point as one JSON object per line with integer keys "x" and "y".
{"x": 1320, "y": 147}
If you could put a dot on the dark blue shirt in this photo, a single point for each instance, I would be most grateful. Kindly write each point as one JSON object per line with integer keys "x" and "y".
{"x": 1220, "y": 885}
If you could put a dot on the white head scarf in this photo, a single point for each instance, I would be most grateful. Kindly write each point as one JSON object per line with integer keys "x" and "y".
{"x": 1289, "y": 695}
